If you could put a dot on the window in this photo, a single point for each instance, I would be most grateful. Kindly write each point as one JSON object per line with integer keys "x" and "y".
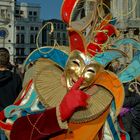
{"x": 30, "y": 12}
{"x": 3, "y": 13}
{"x": 36, "y": 28}
{"x": 17, "y": 39}
{"x": 58, "y": 35}
{"x": 21, "y": 12}
{"x": 136, "y": 31}
{"x": 22, "y": 51}
{"x": 17, "y": 12}
{"x": 22, "y": 27}
{"x": 17, "y": 51}
{"x": 22, "y": 38}
{"x": 35, "y": 13}
{"x": 31, "y": 28}
{"x": 65, "y": 26}
{"x": 64, "y": 42}
{"x": 54, "y": 25}
{"x": 64, "y": 35}
{"x": 61, "y": 26}
{"x": 58, "y": 26}
{"x": 17, "y": 27}
{"x": 31, "y": 39}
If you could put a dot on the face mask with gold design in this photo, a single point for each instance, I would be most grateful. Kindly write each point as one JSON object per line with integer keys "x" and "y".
{"x": 80, "y": 65}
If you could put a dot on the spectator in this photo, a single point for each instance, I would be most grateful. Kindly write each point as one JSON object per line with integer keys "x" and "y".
{"x": 131, "y": 109}
{"x": 115, "y": 66}
{"x": 10, "y": 83}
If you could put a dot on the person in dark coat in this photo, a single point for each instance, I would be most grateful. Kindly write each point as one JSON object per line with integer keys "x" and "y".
{"x": 10, "y": 83}
{"x": 131, "y": 109}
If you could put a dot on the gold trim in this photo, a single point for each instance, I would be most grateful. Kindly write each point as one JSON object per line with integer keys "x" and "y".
{"x": 63, "y": 125}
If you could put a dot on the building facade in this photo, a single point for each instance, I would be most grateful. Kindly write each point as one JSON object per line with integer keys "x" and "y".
{"x": 27, "y": 26}
{"x": 59, "y": 35}
{"x": 127, "y": 13}
{"x": 7, "y": 32}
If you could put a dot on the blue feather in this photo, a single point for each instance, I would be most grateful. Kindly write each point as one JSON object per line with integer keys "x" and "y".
{"x": 107, "y": 56}
{"x": 55, "y": 55}
{"x": 127, "y": 41}
{"x": 132, "y": 71}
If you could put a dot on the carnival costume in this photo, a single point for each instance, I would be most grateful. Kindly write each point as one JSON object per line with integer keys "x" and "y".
{"x": 70, "y": 95}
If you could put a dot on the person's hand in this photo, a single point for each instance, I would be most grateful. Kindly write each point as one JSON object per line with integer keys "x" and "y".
{"x": 74, "y": 99}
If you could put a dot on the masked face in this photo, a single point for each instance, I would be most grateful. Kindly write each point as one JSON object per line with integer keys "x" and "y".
{"x": 79, "y": 65}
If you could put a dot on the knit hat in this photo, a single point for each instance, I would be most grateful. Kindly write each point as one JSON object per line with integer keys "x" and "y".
{"x": 4, "y": 57}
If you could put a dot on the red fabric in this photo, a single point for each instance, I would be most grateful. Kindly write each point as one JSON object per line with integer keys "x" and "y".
{"x": 110, "y": 28}
{"x": 100, "y": 38}
{"x": 35, "y": 127}
{"x": 5, "y": 126}
{"x": 66, "y": 10}
{"x": 2, "y": 117}
{"x": 93, "y": 49}
{"x": 73, "y": 99}
{"x": 123, "y": 137}
{"x": 76, "y": 41}
{"x": 100, "y": 134}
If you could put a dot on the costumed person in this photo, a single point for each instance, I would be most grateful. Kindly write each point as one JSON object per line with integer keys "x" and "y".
{"x": 71, "y": 95}
{"x": 88, "y": 94}
{"x": 10, "y": 83}
{"x": 130, "y": 112}
{"x": 74, "y": 83}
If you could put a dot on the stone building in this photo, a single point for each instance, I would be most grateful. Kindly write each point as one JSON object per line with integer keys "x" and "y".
{"x": 7, "y": 32}
{"x": 27, "y": 25}
{"x": 58, "y": 36}
{"x": 127, "y": 13}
